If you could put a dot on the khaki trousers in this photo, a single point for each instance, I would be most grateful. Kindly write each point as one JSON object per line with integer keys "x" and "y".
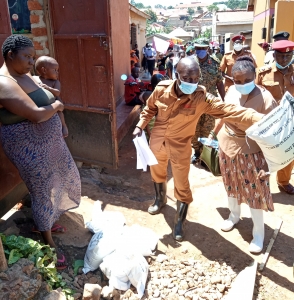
{"x": 180, "y": 169}
{"x": 284, "y": 175}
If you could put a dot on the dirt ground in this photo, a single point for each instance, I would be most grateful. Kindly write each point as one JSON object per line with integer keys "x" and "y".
{"x": 130, "y": 191}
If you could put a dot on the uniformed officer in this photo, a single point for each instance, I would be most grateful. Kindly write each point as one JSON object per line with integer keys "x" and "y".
{"x": 178, "y": 105}
{"x": 217, "y": 53}
{"x": 230, "y": 57}
{"x": 212, "y": 79}
{"x": 279, "y": 78}
{"x": 279, "y": 36}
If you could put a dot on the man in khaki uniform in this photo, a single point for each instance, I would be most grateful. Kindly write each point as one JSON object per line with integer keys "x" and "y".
{"x": 230, "y": 57}
{"x": 278, "y": 78}
{"x": 178, "y": 105}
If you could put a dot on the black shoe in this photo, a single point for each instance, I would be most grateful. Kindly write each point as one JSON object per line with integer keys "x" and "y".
{"x": 182, "y": 209}
{"x": 195, "y": 158}
{"x": 160, "y": 198}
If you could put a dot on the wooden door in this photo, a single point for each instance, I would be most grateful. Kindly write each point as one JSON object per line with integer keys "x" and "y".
{"x": 81, "y": 34}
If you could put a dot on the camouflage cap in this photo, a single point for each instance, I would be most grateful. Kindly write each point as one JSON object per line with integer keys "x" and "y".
{"x": 189, "y": 49}
{"x": 201, "y": 42}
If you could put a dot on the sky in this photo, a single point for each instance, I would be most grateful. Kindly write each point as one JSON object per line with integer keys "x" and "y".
{"x": 171, "y": 2}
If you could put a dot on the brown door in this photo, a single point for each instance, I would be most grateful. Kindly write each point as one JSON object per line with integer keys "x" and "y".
{"x": 5, "y": 27}
{"x": 12, "y": 189}
{"x": 81, "y": 35}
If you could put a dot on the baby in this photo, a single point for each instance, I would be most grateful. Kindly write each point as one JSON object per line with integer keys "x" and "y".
{"x": 48, "y": 68}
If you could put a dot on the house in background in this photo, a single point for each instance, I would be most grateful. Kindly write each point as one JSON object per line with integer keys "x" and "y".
{"x": 194, "y": 26}
{"x": 229, "y": 23}
{"x": 270, "y": 17}
{"x": 182, "y": 34}
{"x": 138, "y": 24}
{"x": 205, "y": 19}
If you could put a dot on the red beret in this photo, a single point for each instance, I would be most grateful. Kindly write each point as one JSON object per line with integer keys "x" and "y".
{"x": 238, "y": 37}
{"x": 283, "y": 46}
{"x": 265, "y": 45}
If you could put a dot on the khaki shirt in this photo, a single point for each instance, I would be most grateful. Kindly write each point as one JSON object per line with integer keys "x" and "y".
{"x": 232, "y": 139}
{"x": 176, "y": 118}
{"x": 275, "y": 81}
{"x": 229, "y": 60}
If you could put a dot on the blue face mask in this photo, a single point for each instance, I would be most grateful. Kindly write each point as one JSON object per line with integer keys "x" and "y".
{"x": 186, "y": 87}
{"x": 245, "y": 89}
{"x": 201, "y": 53}
{"x": 281, "y": 67}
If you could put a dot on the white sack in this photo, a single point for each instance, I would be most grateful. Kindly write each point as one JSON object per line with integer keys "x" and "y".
{"x": 103, "y": 220}
{"x": 274, "y": 134}
{"x": 138, "y": 239}
{"x": 108, "y": 227}
{"x": 123, "y": 269}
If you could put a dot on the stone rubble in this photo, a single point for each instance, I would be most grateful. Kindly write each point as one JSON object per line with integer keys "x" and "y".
{"x": 172, "y": 279}
{"x": 169, "y": 278}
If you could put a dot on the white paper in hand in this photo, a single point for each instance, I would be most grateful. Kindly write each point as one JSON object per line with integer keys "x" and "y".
{"x": 274, "y": 134}
{"x": 144, "y": 155}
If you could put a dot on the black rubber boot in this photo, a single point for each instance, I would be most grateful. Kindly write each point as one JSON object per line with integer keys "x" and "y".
{"x": 160, "y": 198}
{"x": 195, "y": 158}
{"x": 180, "y": 217}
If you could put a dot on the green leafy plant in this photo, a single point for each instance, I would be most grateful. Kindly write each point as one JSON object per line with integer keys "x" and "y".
{"x": 44, "y": 258}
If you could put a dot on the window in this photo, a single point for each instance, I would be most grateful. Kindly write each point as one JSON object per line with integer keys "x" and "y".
{"x": 19, "y": 16}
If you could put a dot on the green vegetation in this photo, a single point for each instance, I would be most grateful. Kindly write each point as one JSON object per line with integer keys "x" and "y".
{"x": 191, "y": 11}
{"x": 44, "y": 258}
{"x": 234, "y": 4}
{"x": 212, "y": 8}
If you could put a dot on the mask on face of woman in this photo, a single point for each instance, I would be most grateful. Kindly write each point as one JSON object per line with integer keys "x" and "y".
{"x": 201, "y": 53}
{"x": 238, "y": 47}
{"x": 186, "y": 87}
{"x": 246, "y": 88}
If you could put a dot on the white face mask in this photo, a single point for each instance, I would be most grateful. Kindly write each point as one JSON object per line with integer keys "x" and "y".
{"x": 238, "y": 47}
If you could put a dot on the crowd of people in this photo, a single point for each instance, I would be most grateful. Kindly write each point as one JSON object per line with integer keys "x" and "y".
{"x": 194, "y": 92}
{"x": 219, "y": 96}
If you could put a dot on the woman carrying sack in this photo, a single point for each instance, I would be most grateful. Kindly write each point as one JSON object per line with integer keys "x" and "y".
{"x": 242, "y": 164}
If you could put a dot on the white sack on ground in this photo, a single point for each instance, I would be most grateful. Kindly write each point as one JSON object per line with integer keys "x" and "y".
{"x": 102, "y": 220}
{"x": 123, "y": 269}
{"x": 138, "y": 239}
{"x": 274, "y": 134}
{"x": 107, "y": 228}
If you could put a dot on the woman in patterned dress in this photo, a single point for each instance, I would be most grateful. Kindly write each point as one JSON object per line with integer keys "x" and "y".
{"x": 31, "y": 138}
{"x": 243, "y": 166}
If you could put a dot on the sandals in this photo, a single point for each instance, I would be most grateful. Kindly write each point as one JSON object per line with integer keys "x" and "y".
{"x": 289, "y": 188}
{"x": 57, "y": 228}
{"x": 61, "y": 263}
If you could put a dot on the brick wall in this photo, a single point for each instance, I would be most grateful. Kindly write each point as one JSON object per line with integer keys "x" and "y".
{"x": 38, "y": 27}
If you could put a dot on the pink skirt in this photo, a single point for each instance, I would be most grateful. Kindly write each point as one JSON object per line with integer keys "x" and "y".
{"x": 239, "y": 176}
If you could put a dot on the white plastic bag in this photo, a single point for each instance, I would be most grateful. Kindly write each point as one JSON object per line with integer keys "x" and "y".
{"x": 123, "y": 269}
{"x": 107, "y": 228}
{"x": 138, "y": 239}
{"x": 274, "y": 134}
{"x": 103, "y": 220}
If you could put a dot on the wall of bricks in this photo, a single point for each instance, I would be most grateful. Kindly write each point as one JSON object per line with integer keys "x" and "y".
{"x": 38, "y": 27}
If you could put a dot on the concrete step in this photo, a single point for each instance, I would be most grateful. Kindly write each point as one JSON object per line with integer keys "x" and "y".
{"x": 126, "y": 116}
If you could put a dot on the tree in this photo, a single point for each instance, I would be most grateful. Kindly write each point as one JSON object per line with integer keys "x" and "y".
{"x": 191, "y": 11}
{"x": 234, "y": 4}
{"x": 139, "y": 5}
{"x": 170, "y": 7}
{"x": 207, "y": 33}
{"x": 159, "y": 6}
{"x": 212, "y": 8}
{"x": 199, "y": 8}
{"x": 152, "y": 14}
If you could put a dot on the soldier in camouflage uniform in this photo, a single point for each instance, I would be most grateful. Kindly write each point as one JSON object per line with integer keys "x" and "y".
{"x": 212, "y": 80}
